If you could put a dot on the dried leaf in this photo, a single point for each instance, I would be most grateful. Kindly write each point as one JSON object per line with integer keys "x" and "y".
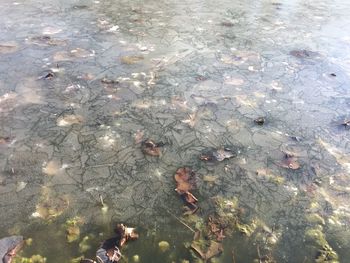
{"x": 151, "y": 148}
{"x": 68, "y": 120}
{"x": 304, "y": 53}
{"x": 210, "y": 178}
{"x": 198, "y": 250}
{"x": 8, "y": 47}
{"x": 131, "y": 59}
{"x": 185, "y": 179}
{"x": 214, "y": 250}
{"x": 218, "y": 155}
{"x": 290, "y": 163}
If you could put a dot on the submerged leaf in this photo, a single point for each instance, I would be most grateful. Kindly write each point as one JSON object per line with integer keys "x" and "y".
{"x": 290, "y": 163}
{"x": 68, "y": 120}
{"x": 218, "y": 155}
{"x": 185, "y": 179}
{"x": 8, "y": 47}
{"x": 131, "y": 59}
{"x": 303, "y": 53}
{"x": 151, "y": 148}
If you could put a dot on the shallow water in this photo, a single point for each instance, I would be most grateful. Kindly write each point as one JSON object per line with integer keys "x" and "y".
{"x": 194, "y": 75}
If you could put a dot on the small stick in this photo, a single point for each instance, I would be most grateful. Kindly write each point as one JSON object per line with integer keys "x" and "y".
{"x": 182, "y": 222}
{"x": 233, "y": 256}
{"x": 101, "y": 200}
{"x": 258, "y": 249}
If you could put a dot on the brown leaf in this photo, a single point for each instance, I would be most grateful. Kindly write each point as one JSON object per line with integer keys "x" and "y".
{"x": 8, "y": 47}
{"x": 304, "y": 53}
{"x": 198, "y": 250}
{"x": 214, "y": 250}
{"x": 151, "y": 148}
{"x": 184, "y": 178}
{"x": 131, "y": 59}
{"x": 290, "y": 163}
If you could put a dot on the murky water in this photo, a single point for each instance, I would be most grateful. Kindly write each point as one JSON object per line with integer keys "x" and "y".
{"x": 83, "y": 82}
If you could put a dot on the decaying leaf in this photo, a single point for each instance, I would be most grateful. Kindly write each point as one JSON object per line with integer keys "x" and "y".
{"x": 125, "y": 234}
{"x": 68, "y": 120}
{"x": 304, "y": 53}
{"x": 210, "y": 178}
{"x": 73, "y": 54}
{"x": 151, "y": 148}
{"x": 45, "y": 40}
{"x": 131, "y": 59}
{"x": 109, "y": 81}
{"x": 185, "y": 181}
{"x": 218, "y": 155}
{"x": 73, "y": 228}
{"x": 51, "y": 205}
{"x": 192, "y": 119}
{"x": 214, "y": 249}
{"x": 163, "y": 246}
{"x": 227, "y": 24}
{"x": 8, "y": 47}
{"x": 290, "y": 162}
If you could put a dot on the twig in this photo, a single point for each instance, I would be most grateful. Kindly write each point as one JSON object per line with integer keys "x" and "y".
{"x": 259, "y": 255}
{"x": 101, "y": 200}
{"x": 182, "y": 222}
{"x": 233, "y": 256}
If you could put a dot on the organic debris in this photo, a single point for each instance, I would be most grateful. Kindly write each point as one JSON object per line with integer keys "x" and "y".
{"x": 125, "y": 234}
{"x": 185, "y": 181}
{"x": 266, "y": 258}
{"x": 32, "y": 259}
{"x": 8, "y": 47}
{"x": 109, "y": 81}
{"x": 227, "y": 24}
{"x": 163, "y": 246}
{"x": 151, "y": 148}
{"x": 211, "y": 250}
{"x": 266, "y": 173}
{"x": 290, "y": 162}
{"x": 73, "y": 228}
{"x": 68, "y": 120}
{"x": 325, "y": 252}
{"x": 129, "y": 60}
{"x": 45, "y": 40}
{"x": 51, "y": 205}
{"x": 218, "y": 155}
{"x": 260, "y": 120}
{"x": 47, "y": 75}
{"x": 303, "y": 53}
